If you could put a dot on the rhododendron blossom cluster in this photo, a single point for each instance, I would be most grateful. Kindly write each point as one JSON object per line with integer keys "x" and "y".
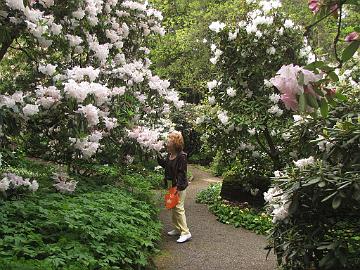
{"x": 278, "y": 204}
{"x": 302, "y": 163}
{"x": 88, "y": 94}
{"x": 13, "y": 181}
{"x": 63, "y": 183}
{"x": 147, "y": 138}
{"x": 287, "y": 81}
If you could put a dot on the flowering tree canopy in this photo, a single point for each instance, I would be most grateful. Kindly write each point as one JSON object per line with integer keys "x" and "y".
{"x": 89, "y": 72}
{"x": 247, "y": 54}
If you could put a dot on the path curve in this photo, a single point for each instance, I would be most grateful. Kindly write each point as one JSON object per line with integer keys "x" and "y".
{"x": 214, "y": 245}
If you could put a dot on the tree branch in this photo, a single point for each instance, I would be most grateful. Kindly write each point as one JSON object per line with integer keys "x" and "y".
{"x": 24, "y": 51}
{"x": 336, "y": 40}
{"x": 308, "y": 28}
{"x": 7, "y": 43}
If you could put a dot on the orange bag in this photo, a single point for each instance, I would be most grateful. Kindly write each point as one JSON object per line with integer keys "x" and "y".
{"x": 171, "y": 198}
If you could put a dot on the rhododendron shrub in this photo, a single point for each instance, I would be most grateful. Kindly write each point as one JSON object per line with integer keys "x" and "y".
{"x": 314, "y": 201}
{"x": 91, "y": 74}
{"x": 242, "y": 117}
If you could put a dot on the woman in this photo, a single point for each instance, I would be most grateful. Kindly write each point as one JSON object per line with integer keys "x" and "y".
{"x": 175, "y": 167}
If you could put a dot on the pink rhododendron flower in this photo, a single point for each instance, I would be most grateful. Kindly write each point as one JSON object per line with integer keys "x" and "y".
{"x": 290, "y": 102}
{"x": 352, "y": 37}
{"x": 287, "y": 82}
{"x": 314, "y": 6}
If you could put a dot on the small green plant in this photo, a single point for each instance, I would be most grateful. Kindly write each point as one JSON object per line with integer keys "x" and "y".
{"x": 247, "y": 218}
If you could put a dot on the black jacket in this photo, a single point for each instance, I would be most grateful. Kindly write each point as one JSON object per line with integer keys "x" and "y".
{"x": 180, "y": 179}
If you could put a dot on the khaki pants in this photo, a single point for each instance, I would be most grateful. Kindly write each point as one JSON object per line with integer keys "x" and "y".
{"x": 178, "y": 214}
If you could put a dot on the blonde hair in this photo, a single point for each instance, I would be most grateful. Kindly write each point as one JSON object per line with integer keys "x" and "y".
{"x": 177, "y": 139}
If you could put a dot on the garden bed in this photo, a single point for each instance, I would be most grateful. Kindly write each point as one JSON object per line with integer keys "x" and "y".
{"x": 100, "y": 226}
{"x": 235, "y": 213}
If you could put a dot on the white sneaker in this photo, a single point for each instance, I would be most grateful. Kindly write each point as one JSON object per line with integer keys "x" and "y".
{"x": 173, "y": 233}
{"x": 184, "y": 238}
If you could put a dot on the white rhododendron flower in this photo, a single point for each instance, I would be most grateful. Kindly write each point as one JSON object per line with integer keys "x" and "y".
{"x": 278, "y": 204}
{"x": 288, "y": 23}
{"x": 48, "y": 69}
{"x": 274, "y": 98}
{"x": 4, "y": 184}
{"x": 222, "y": 116}
{"x": 277, "y": 174}
{"x": 147, "y": 138}
{"x": 63, "y": 182}
{"x": 13, "y": 181}
{"x": 231, "y": 92}
{"x": 271, "y": 50}
{"x": 252, "y": 131}
{"x": 200, "y": 120}
{"x": 15, "y": 4}
{"x": 233, "y": 35}
{"x": 298, "y": 118}
{"x": 286, "y": 136}
{"x": 91, "y": 113}
{"x": 275, "y": 110}
{"x": 34, "y": 186}
{"x": 217, "y": 26}
{"x": 30, "y": 110}
{"x": 211, "y": 85}
{"x": 212, "y": 100}
{"x": 323, "y": 144}
{"x": 302, "y": 163}
{"x": 268, "y": 84}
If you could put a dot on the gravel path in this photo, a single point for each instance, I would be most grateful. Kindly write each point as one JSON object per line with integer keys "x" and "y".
{"x": 214, "y": 245}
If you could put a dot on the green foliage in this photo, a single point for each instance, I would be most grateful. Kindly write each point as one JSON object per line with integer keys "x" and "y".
{"x": 181, "y": 55}
{"x": 231, "y": 214}
{"x": 325, "y": 197}
{"x": 97, "y": 229}
{"x": 324, "y": 210}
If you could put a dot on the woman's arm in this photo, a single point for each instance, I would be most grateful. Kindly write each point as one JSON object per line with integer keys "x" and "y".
{"x": 161, "y": 161}
{"x": 181, "y": 179}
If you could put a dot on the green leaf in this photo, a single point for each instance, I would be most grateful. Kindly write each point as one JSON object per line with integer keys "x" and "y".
{"x": 350, "y": 50}
{"x": 311, "y": 100}
{"x": 324, "y": 107}
{"x": 333, "y": 76}
{"x": 336, "y": 202}
{"x": 302, "y": 103}
{"x": 314, "y": 65}
{"x": 312, "y": 182}
{"x": 329, "y": 197}
{"x": 352, "y": 2}
{"x": 340, "y": 96}
{"x": 301, "y": 79}
{"x": 294, "y": 206}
